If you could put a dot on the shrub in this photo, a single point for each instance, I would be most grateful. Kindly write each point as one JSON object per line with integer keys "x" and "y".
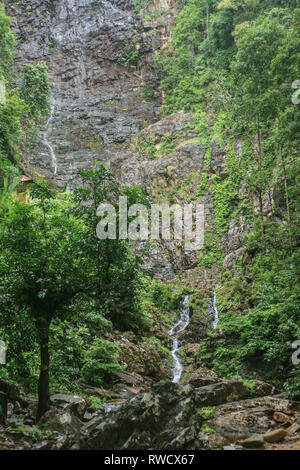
{"x": 99, "y": 363}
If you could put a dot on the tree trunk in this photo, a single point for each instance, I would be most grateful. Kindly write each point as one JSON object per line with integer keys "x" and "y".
{"x": 8, "y": 392}
{"x": 43, "y": 383}
{"x": 3, "y": 400}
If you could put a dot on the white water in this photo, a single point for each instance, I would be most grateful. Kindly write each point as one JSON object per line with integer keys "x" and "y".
{"x": 47, "y": 143}
{"x": 180, "y": 325}
{"x": 108, "y": 407}
{"x": 215, "y": 312}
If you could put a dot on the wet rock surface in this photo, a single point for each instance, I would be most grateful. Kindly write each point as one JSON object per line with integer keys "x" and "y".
{"x": 201, "y": 377}
{"x": 99, "y": 56}
{"x": 242, "y": 421}
{"x": 164, "y": 417}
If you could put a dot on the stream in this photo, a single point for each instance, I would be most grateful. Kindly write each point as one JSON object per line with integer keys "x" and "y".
{"x": 180, "y": 325}
{"x": 215, "y": 312}
{"x": 47, "y": 143}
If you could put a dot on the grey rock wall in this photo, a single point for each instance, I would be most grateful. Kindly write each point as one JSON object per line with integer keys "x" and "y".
{"x": 99, "y": 55}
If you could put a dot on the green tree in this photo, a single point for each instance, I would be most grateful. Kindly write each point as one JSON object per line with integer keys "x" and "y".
{"x": 41, "y": 244}
{"x": 115, "y": 274}
{"x": 50, "y": 255}
{"x": 11, "y": 114}
{"x": 35, "y": 90}
{"x": 254, "y": 103}
{"x": 7, "y": 44}
{"x": 99, "y": 363}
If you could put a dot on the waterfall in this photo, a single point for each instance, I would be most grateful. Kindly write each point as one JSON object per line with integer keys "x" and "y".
{"x": 180, "y": 325}
{"x": 215, "y": 312}
{"x": 46, "y": 141}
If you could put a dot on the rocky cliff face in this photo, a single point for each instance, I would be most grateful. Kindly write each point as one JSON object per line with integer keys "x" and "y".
{"x": 216, "y": 416}
{"x": 100, "y": 58}
{"x": 105, "y": 106}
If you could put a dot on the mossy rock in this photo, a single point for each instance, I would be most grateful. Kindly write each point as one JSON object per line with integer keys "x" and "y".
{"x": 93, "y": 144}
{"x": 207, "y": 429}
{"x": 207, "y": 411}
{"x": 199, "y": 308}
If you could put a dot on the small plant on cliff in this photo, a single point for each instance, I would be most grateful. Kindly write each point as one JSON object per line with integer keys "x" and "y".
{"x": 131, "y": 53}
{"x": 148, "y": 93}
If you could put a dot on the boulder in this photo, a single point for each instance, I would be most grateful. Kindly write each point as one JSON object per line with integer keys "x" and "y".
{"x": 280, "y": 403}
{"x": 221, "y": 392}
{"x": 231, "y": 259}
{"x": 42, "y": 445}
{"x": 8, "y": 391}
{"x": 31, "y": 410}
{"x": 261, "y": 388}
{"x": 192, "y": 349}
{"x": 239, "y": 420}
{"x": 295, "y": 427}
{"x": 61, "y": 421}
{"x": 232, "y": 447}
{"x": 130, "y": 378}
{"x": 256, "y": 441}
{"x": 70, "y": 403}
{"x": 217, "y": 442}
{"x": 164, "y": 417}
{"x": 275, "y": 436}
{"x": 282, "y": 418}
{"x": 201, "y": 377}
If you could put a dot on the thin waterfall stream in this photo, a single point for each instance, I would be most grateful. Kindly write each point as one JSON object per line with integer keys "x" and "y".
{"x": 215, "y": 312}
{"x": 180, "y": 325}
{"x": 46, "y": 141}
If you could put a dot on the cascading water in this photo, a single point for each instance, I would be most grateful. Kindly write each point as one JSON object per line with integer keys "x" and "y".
{"x": 46, "y": 141}
{"x": 180, "y": 325}
{"x": 215, "y": 312}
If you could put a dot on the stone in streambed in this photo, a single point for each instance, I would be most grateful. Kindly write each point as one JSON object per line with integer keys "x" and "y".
{"x": 201, "y": 377}
{"x": 282, "y": 417}
{"x": 218, "y": 442}
{"x": 221, "y": 392}
{"x": 295, "y": 427}
{"x": 70, "y": 403}
{"x": 164, "y": 417}
{"x": 256, "y": 441}
{"x": 275, "y": 436}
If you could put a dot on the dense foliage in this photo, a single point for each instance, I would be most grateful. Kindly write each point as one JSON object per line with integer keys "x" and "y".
{"x": 61, "y": 288}
{"x": 20, "y": 108}
{"x": 52, "y": 264}
{"x": 233, "y": 64}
